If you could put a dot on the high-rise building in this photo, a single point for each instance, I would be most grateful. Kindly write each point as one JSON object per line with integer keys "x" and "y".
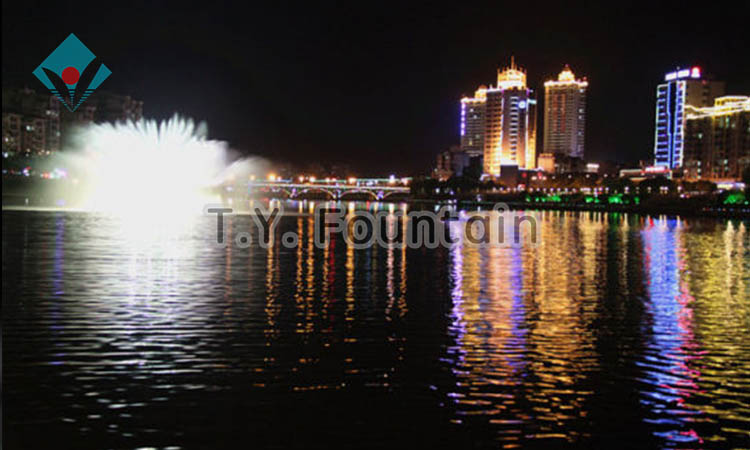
{"x": 717, "y": 139}
{"x": 31, "y": 122}
{"x": 681, "y": 88}
{"x": 509, "y": 116}
{"x": 565, "y": 114}
{"x": 12, "y": 133}
{"x": 472, "y": 122}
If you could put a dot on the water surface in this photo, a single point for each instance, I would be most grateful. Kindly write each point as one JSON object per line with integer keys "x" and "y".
{"x": 615, "y": 330}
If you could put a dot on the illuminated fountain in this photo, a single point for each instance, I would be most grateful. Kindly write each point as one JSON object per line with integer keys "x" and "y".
{"x": 150, "y": 167}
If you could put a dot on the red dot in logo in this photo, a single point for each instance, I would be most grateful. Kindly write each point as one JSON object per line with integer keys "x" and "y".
{"x": 70, "y": 75}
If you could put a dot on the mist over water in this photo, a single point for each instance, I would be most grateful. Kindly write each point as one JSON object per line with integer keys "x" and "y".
{"x": 150, "y": 166}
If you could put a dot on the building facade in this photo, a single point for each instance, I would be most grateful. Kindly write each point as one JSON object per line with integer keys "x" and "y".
{"x": 565, "y": 114}
{"x": 457, "y": 162}
{"x": 681, "y": 88}
{"x": 31, "y": 123}
{"x": 560, "y": 163}
{"x": 472, "y": 122}
{"x": 717, "y": 140}
{"x": 499, "y": 123}
{"x": 35, "y": 124}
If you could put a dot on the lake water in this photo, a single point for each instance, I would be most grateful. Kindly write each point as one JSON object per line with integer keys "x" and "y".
{"x": 615, "y": 330}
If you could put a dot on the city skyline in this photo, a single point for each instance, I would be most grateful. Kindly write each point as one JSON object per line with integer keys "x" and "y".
{"x": 374, "y": 85}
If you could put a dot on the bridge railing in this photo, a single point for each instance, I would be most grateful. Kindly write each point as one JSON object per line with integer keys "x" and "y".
{"x": 381, "y": 183}
{"x": 378, "y": 188}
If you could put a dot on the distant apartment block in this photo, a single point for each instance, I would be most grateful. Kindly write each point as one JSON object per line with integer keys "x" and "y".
{"x": 717, "y": 139}
{"x": 31, "y": 122}
{"x": 35, "y": 124}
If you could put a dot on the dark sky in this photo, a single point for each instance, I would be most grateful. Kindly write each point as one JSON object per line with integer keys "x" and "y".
{"x": 377, "y": 85}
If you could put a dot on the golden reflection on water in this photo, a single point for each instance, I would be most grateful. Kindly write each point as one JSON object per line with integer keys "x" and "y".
{"x": 497, "y": 293}
{"x": 714, "y": 311}
{"x": 525, "y": 324}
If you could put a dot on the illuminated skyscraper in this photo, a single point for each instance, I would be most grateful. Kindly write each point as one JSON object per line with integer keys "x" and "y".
{"x": 510, "y": 123}
{"x": 680, "y": 88}
{"x": 717, "y": 139}
{"x": 499, "y": 122}
{"x": 472, "y": 122}
{"x": 565, "y": 114}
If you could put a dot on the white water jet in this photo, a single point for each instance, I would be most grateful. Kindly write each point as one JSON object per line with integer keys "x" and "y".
{"x": 150, "y": 167}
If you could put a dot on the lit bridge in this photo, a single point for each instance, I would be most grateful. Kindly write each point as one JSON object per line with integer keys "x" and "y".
{"x": 375, "y": 188}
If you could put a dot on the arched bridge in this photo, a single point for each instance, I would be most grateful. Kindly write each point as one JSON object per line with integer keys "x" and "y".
{"x": 375, "y": 188}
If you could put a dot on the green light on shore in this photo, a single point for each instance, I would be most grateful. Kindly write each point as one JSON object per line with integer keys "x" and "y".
{"x": 615, "y": 199}
{"x": 592, "y": 199}
{"x": 735, "y": 198}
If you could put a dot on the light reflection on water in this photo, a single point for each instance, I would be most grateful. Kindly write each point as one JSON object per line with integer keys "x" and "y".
{"x": 615, "y": 329}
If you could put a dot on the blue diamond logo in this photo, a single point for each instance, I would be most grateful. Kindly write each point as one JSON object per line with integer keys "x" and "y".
{"x": 72, "y": 72}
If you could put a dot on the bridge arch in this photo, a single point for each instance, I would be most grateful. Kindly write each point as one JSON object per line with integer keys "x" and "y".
{"x": 344, "y": 193}
{"x": 386, "y": 195}
{"x": 330, "y": 193}
{"x": 272, "y": 191}
{"x": 288, "y": 193}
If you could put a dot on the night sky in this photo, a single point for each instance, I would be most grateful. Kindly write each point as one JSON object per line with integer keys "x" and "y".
{"x": 374, "y": 85}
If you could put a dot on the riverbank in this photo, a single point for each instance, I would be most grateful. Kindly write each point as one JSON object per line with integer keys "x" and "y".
{"x": 703, "y": 206}
{"x": 25, "y": 192}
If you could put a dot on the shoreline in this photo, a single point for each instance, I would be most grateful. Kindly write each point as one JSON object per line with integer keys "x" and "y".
{"x": 60, "y": 195}
{"x": 727, "y": 212}
{"x": 741, "y": 213}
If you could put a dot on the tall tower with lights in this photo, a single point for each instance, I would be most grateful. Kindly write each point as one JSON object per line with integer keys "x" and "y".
{"x": 565, "y": 114}
{"x": 681, "y": 88}
{"x": 510, "y": 122}
{"x": 499, "y": 122}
